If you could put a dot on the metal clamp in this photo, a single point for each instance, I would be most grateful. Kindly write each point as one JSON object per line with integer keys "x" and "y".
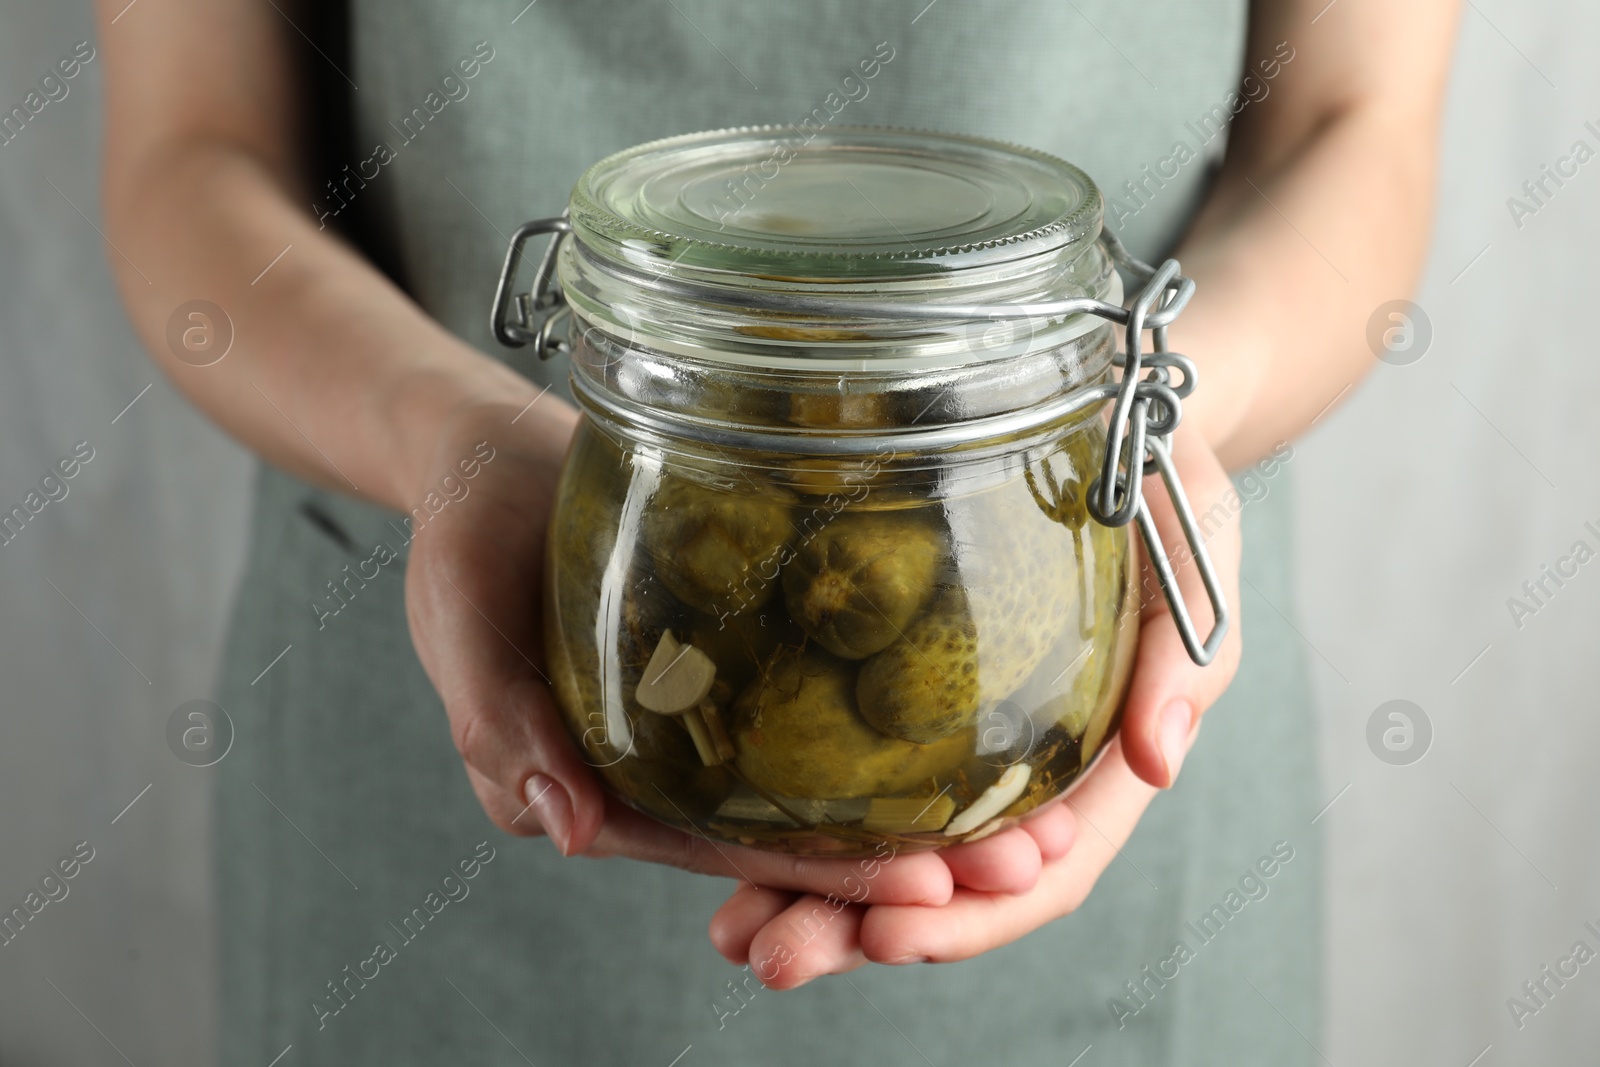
{"x": 542, "y": 309}
{"x": 1146, "y": 408}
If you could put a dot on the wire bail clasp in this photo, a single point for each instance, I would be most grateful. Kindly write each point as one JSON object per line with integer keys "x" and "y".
{"x": 1148, "y": 407}
{"x": 540, "y": 311}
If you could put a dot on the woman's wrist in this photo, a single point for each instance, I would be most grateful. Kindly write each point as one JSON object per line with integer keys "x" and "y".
{"x": 1224, "y": 337}
{"x": 430, "y": 412}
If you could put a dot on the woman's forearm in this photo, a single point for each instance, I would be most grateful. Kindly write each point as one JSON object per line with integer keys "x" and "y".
{"x": 1290, "y": 264}
{"x": 1321, "y": 213}
{"x": 333, "y": 374}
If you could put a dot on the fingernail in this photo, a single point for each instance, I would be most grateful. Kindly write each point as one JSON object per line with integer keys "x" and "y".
{"x": 1176, "y": 720}
{"x": 898, "y": 960}
{"x": 554, "y": 808}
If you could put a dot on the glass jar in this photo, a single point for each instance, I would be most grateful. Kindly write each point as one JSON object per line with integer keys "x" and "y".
{"x": 835, "y": 560}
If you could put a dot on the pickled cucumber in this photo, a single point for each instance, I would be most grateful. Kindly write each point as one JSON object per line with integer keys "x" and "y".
{"x": 1013, "y": 595}
{"x": 859, "y": 583}
{"x": 798, "y": 733}
{"x": 718, "y": 552}
{"x": 926, "y": 685}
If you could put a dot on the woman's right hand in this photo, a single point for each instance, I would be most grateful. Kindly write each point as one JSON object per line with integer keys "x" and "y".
{"x": 474, "y": 586}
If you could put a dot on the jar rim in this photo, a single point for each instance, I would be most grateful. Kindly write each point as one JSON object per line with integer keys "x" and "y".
{"x": 809, "y": 282}
{"x": 845, "y": 203}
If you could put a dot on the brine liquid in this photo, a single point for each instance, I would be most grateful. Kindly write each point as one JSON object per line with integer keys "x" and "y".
{"x": 887, "y": 653}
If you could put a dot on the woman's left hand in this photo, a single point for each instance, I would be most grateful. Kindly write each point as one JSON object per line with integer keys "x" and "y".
{"x": 1060, "y": 850}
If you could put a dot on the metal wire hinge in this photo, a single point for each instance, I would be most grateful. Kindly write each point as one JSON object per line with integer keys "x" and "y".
{"x": 1146, "y": 408}
{"x": 541, "y": 312}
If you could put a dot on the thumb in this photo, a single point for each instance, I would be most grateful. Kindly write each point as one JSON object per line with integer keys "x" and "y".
{"x": 1169, "y": 691}
{"x": 482, "y": 648}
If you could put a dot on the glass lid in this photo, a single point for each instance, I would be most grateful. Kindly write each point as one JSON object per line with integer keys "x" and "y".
{"x": 847, "y": 203}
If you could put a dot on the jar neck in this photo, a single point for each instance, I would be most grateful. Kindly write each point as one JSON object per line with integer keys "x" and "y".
{"x": 907, "y": 322}
{"x": 684, "y": 360}
{"x": 714, "y": 406}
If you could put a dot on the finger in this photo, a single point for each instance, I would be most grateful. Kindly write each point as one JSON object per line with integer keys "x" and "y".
{"x": 810, "y": 937}
{"x": 517, "y": 740}
{"x": 480, "y": 644}
{"x": 1108, "y": 804}
{"x": 503, "y": 809}
{"x": 742, "y": 916}
{"x": 1007, "y": 862}
{"x": 911, "y": 878}
{"x": 1053, "y": 828}
{"x": 1169, "y": 691}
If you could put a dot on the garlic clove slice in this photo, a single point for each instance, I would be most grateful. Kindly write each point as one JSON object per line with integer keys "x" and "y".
{"x": 677, "y": 678}
{"x": 992, "y": 801}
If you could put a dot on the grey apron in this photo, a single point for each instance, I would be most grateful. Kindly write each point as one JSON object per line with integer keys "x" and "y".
{"x": 345, "y": 822}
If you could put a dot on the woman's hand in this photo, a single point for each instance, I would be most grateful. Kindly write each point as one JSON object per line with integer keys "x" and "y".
{"x": 474, "y": 587}
{"x": 1075, "y": 839}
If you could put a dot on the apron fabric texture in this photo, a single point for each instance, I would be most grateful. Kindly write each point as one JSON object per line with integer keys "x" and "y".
{"x": 345, "y": 820}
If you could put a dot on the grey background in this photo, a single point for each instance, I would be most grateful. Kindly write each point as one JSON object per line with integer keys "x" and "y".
{"x": 1422, "y": 503}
